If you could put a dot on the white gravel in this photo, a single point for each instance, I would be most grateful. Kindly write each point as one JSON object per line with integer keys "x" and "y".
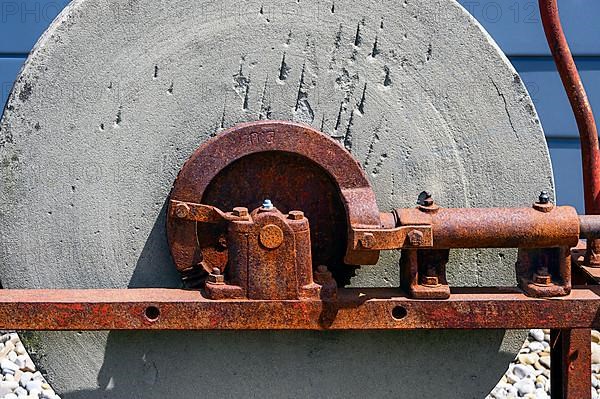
{"x": 529, "y": 375}
{"x": 20, "y": 379}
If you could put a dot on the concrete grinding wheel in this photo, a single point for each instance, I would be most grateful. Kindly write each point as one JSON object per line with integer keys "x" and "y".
{"x": 117, "y": 95}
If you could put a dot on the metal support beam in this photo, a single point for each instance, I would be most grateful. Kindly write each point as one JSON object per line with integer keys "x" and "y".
{"x": 361, "y": 309}
{"x": 571, "y": 362}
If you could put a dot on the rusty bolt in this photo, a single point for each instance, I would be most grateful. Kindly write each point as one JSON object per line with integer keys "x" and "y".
{"x": 267, "y": 204}
{"x": 271, "y": 236}
{"x": 216, "y": 277}
{"x": 544, "y": 197}
{"x": 240, "y": 211}
{"x": 296, "y": 215}
{"x": 415, "y": 238}
{"x": 543, "y": 204}
{"x": 368, "y": 240}
{"x": 425, "y": 199}
{"x": 182, "y": 211}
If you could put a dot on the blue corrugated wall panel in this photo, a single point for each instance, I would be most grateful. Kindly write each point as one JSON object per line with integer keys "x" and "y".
{"x": 514, "y": 24}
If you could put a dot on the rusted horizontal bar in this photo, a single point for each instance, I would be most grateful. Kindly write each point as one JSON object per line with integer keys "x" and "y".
{"x": 175, "y": 309}
{"x": 505, "y": 228}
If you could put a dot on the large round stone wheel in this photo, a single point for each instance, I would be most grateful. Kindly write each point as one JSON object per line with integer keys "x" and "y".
{"x": 117, "y": 95}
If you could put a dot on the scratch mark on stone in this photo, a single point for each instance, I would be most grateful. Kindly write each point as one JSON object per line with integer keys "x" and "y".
{"x": 284, "y": 69}
{"x": 357, "y": 37}
{"x": 265, "y": 105}
{"x": 374, "y": 140}
{"x": 155, "y": 76}
{"x": 303, "y": 109}
{"x": 382, "y": 159}
{"x": 387, "y": 80}
{"x": 119, "y": 117}
{"x": 338, "y": 38}
{"x": 361, "y": 104}
{"x": 170, "y": 89}
{"x": 375, "y": 50}
{"x": 503, "y": 97}
{"x": 348, "y": 134}
{"x": 429, "y": 52}
{"x": 241, "y": 85}
{"x": 339, "y": 117}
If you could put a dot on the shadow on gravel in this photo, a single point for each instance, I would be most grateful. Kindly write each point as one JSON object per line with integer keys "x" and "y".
{"x": 272, "y": 364}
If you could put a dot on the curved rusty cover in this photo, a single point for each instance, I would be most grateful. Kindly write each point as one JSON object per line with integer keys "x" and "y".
{"x": 261, "y": 152}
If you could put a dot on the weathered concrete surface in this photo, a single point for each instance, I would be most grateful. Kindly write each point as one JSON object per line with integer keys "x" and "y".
{"x": 118, "y": 94}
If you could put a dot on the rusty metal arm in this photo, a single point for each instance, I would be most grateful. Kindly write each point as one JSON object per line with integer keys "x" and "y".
{"x": 588, "y": 132}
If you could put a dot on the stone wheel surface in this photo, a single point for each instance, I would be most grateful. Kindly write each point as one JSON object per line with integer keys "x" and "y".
{"x": 117, "y": 95}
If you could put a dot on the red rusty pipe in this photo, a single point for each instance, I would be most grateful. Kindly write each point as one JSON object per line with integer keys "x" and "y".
{"x": 588, "y": 133}
{"x": 500, "y": 227}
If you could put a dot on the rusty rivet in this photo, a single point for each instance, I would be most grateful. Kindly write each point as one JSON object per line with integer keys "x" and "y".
{"x": 415, "y": 238}
{"x": 296, "y": 215}
{"x": 271, "y": 236}
{"x": 240, "y": 211}
{"x": 182, "y": 211}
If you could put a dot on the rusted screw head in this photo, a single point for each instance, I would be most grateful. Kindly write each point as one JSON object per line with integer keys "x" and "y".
{"x": 415, "y": 238}
{"x": 240, "y": 211}
{"x": 296, "y": 215}
{"x": 425, "y": 199}
{"x": 544, "y": 198}
{"x": 182, "y": 211}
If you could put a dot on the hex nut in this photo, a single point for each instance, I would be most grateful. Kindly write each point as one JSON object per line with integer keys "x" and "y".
{"x": 543, "y": 280}
{"x": 240, "y": 211}
{"x": 431, "y": 281}
{"x": 296, "y": 215}
{"x": 216, "y": 277}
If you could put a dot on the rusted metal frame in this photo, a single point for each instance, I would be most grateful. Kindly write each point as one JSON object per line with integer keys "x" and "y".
{"x": 588, "y": 133}
{"x": 570, "y": 358}
{"x": 380, "y": 308}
